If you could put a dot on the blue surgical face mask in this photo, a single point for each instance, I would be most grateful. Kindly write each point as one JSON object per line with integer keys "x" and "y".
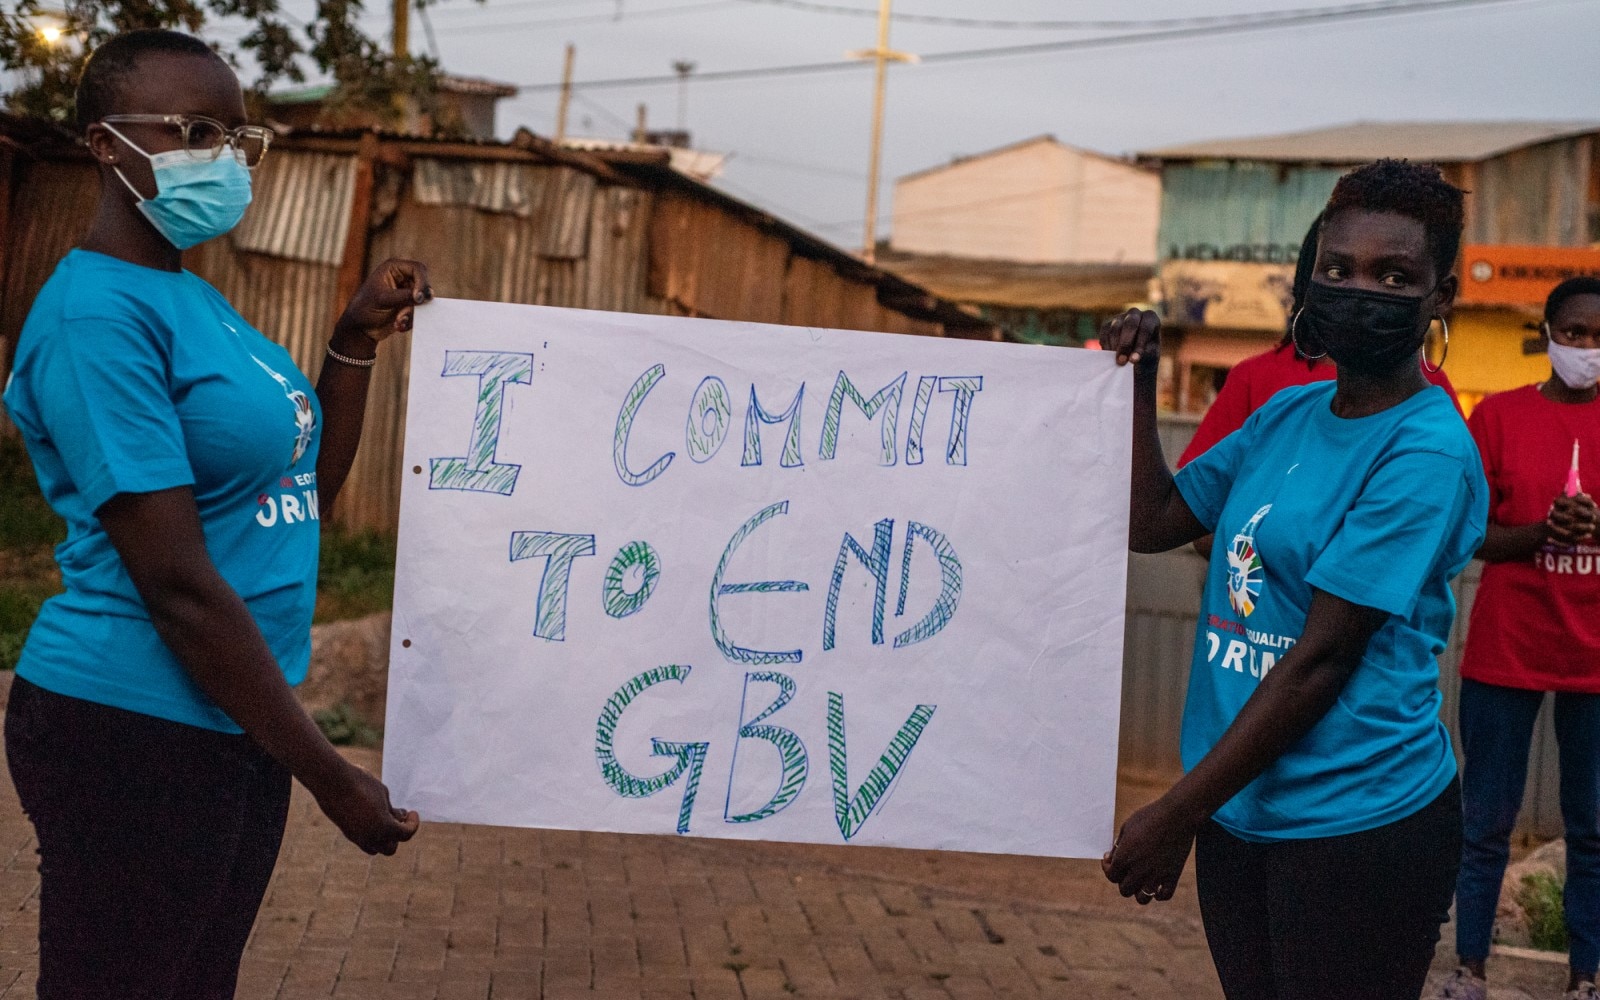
{"x": 196, "y": 199}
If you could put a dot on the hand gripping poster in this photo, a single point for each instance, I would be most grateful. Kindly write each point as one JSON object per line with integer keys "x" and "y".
{"x": 700, "y": 578}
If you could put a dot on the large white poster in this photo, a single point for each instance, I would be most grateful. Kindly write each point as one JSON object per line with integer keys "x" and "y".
{"x": 680, "y": 576}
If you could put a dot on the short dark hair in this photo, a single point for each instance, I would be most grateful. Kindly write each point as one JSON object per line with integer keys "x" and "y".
{"x": 114, "y": 61}
{"x": 1415, "y": 190}
{"x": 1566, "y": 290}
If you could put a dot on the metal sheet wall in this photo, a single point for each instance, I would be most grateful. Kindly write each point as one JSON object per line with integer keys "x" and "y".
{"x": 550, "y": 235}
{"x": 514, "y": 240}
{"x": 715, "y": 264}
{"x": 301, "y": 207}
{"x": 1222, "y": 204}
{"x": 1537, "y": 195}
{"x": 52, "y": 205}
{"x": 712, "y": 263}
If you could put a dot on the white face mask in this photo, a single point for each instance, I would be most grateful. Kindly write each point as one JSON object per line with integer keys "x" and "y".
{"x": 1578, "y": 367}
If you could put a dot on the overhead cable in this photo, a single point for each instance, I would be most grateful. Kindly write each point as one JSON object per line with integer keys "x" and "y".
{"x": 620, "y": 18}
{"x": 1280, "y": 19}
{"x": 1055, "y": 24}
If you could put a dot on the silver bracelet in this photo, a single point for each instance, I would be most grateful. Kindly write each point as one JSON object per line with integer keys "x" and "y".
{"x": 352, "y": 362}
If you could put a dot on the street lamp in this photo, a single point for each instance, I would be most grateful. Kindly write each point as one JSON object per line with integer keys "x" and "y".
{"x": 51, "y": 27}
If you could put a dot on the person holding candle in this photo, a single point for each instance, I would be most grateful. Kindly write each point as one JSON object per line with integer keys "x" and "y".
{"x": 1533, "y": 629}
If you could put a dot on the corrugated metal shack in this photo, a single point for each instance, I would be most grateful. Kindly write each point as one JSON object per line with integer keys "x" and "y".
{"x": 514, "y": 222}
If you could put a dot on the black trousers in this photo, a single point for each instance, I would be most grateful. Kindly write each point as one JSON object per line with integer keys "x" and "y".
{"x": 1353, "y": 917}
{"x": 156, "y": 844}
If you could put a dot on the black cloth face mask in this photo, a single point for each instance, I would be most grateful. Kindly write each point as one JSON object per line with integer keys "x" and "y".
{"x": 1364, "y": 332}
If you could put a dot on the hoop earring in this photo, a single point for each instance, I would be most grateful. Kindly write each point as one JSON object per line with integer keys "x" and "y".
{"x": 1294, "y": 337}
{"x": 1434, "y": 369}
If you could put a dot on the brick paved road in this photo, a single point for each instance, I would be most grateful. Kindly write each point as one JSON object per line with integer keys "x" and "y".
{"x": 473, "y": 913}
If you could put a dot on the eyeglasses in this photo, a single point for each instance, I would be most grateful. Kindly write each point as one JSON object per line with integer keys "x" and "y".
{"x": 203, "y": 138}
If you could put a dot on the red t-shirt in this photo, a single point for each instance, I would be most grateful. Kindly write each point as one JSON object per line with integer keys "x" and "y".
{"x": 1534, "y": 625}
{"x": 1254, "y": 380}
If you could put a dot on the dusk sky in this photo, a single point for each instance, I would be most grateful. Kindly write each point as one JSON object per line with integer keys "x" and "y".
{"x": 799, "y": 143}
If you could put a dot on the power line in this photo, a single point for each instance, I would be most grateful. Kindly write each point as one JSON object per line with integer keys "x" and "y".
{"x": 741, "y": 156}
{"x": 1280, "y": 19}
{"x": 605, "y": 112}
{"x": 759, "y": 200}
{"x": 1047, "y": 24}
{"x": 475, "y": 7}
{"x": 618, "y": 17}
{"x": 427, "y": 27}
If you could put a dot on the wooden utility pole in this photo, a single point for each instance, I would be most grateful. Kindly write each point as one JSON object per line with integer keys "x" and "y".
{"x": 402, "y": 29}
{"x": 566, "y": 93}
{"x": 883, "y": 56}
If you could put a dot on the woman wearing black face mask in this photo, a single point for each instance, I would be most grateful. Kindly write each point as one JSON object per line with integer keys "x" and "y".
{"x": 1320, "y": 797}
{"x": 1257, "y": 379}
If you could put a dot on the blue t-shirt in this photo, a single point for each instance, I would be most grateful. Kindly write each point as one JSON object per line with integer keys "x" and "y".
{"x": 1382, "y": 511}
{"x": 132, "y": 380}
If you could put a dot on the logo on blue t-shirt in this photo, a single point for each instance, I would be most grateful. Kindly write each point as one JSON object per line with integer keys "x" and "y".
{"x": 1245, "y": 571}
{"x": 305, "y": 418}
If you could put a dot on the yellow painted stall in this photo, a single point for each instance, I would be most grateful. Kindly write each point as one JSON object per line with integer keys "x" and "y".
{"x": 1503, "y": 288}
{"x": 1487, "y": 353}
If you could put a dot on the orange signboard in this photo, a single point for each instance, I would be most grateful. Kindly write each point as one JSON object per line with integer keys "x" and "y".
{"x": 1506, "y": 275}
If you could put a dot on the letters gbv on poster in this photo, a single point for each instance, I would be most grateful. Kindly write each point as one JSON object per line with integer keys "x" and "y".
{"x": 680, "y": 576}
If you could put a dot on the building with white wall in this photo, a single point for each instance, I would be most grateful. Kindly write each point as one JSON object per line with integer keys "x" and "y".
{"x": 1039, "y": 201}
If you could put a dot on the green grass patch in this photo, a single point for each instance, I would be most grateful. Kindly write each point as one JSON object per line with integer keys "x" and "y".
{"x": 29, "y": 530}
{"x": 356, "y": 577}
{"x": 21, "y": 597}
{"x": 26, "y": 522}
{"x": 344, "y": 727}
{"x": 1541, "y": 899}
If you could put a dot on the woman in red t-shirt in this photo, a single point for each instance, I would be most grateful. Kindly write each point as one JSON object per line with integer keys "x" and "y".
{"x": 1534, "y": 629}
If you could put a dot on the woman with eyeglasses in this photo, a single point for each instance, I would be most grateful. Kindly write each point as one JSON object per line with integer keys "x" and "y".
{"x": 1534, "y": 629}
{"x": 151, "y": 730}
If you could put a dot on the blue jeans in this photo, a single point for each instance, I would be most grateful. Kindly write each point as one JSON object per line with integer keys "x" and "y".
{"x": 1496, "y": 730}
